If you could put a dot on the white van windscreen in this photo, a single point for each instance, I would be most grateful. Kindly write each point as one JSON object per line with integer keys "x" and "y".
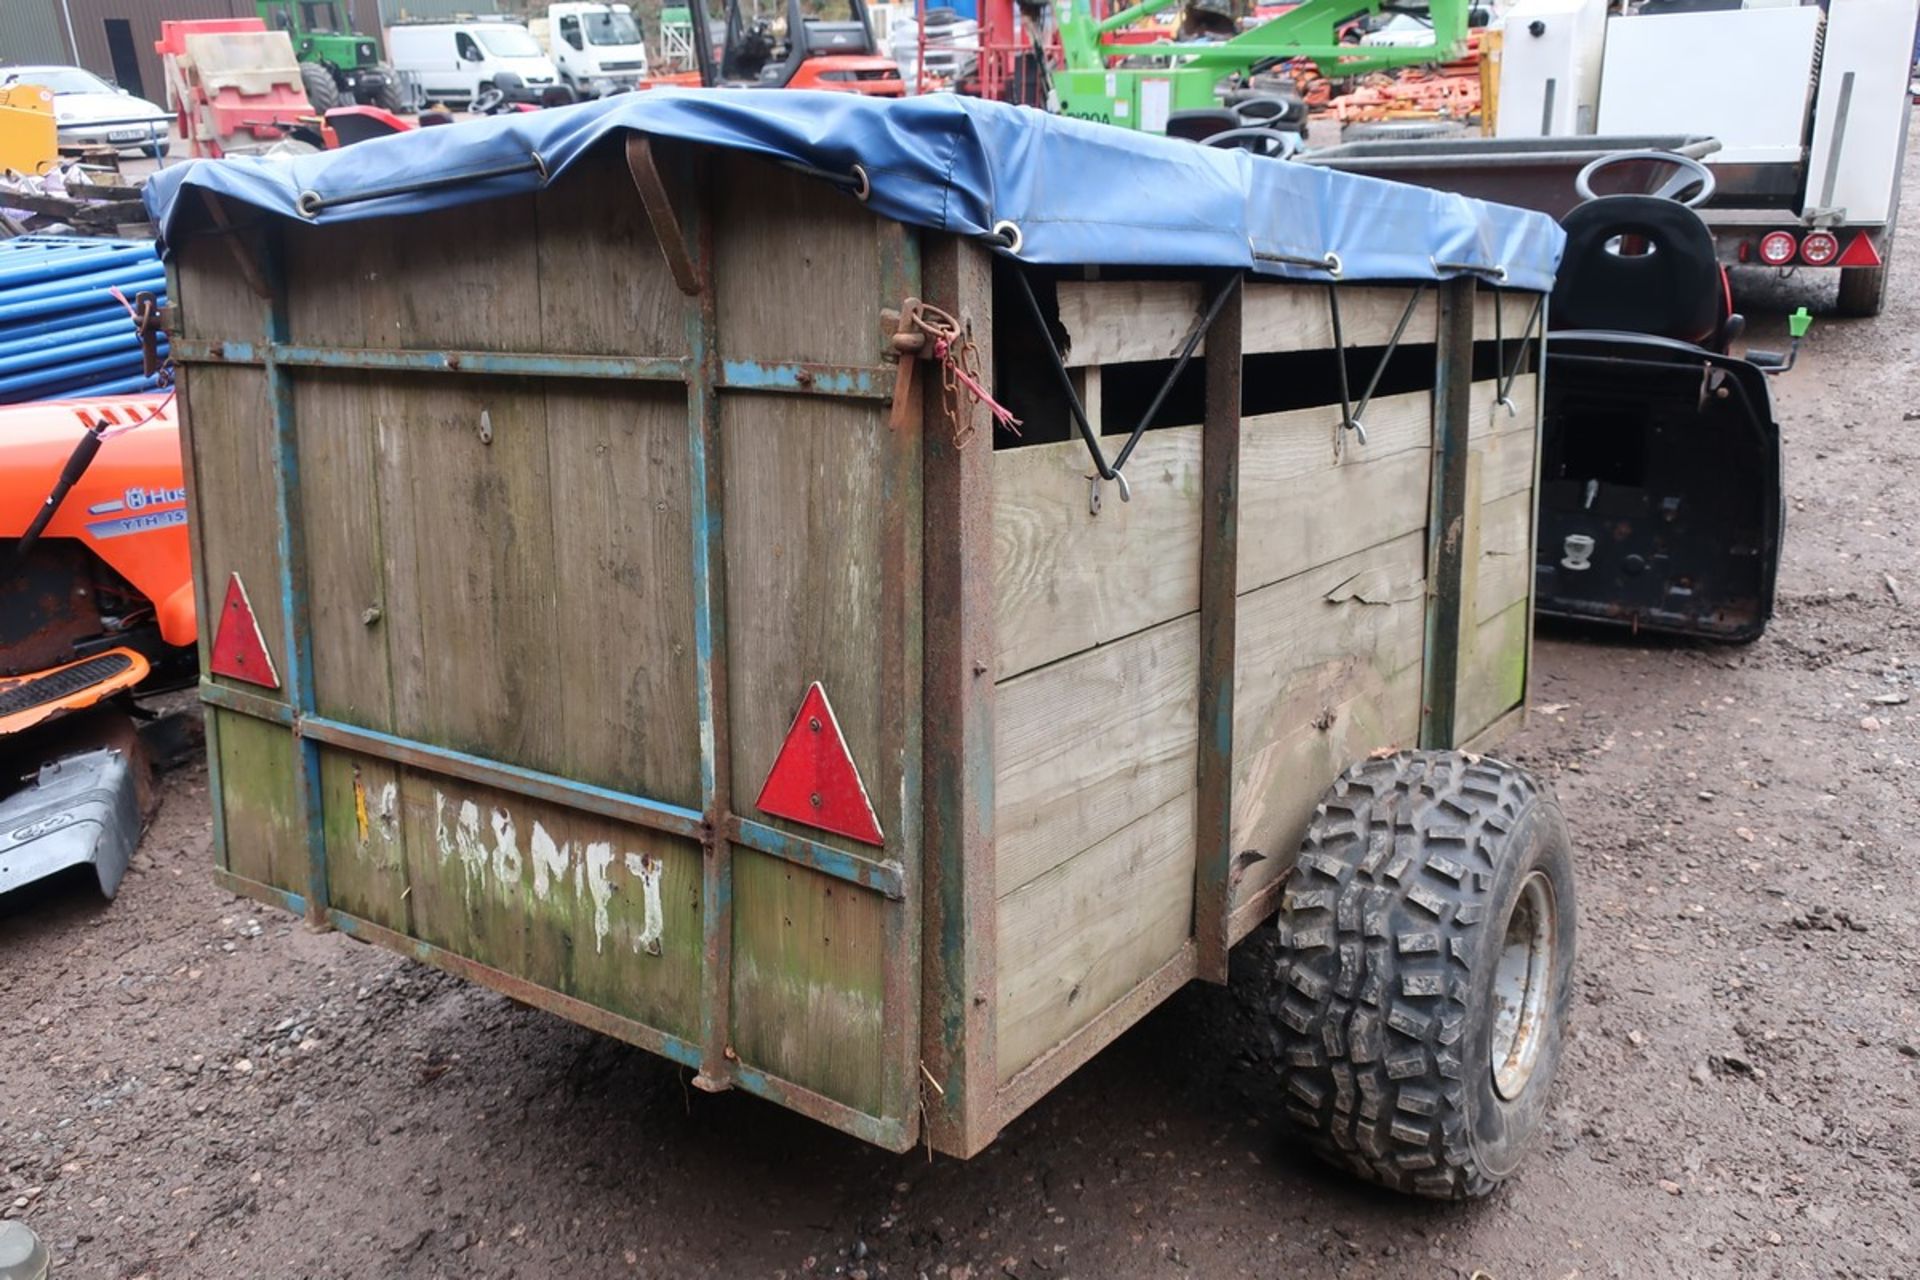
{"x": 508, "y": 42}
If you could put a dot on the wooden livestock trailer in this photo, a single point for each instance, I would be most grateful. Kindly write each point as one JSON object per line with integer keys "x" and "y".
{"x": 533, "y": 525}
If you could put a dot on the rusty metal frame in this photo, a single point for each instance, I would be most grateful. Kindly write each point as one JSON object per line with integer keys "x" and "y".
{"x": 1446, "y": 520}
{"x": 1219, "y": 587}
{"x": 902, "y": 646}
{"x": 958, "y": 1049}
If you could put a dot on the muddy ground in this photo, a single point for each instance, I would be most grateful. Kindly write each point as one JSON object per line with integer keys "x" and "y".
{"x": 194, "y": 1086}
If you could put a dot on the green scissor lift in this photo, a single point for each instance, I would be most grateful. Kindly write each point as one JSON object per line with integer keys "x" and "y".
{"x": 1186, "y": 76}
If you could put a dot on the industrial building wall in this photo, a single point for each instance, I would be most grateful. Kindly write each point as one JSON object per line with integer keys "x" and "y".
{"x": 30, "y": 31}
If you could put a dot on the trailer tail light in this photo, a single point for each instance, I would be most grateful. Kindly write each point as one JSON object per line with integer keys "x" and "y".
{"x": 1777, "y": 248}
{"x": 1819, "y": 248}
{"x": 1861, "y": 253}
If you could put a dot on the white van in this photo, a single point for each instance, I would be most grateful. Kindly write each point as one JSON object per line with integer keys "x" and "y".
{"x": 598, "y": 47}
{"x": 454, "y": 61}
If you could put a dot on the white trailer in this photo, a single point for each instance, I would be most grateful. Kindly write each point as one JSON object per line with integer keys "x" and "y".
{"x": 1810, "y": 107}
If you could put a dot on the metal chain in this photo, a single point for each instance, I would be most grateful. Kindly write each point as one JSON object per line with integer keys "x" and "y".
{"x": 962, "y": 386}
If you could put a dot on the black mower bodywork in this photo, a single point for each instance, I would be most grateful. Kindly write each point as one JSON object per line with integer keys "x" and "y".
{"x": 1660, "y": 488}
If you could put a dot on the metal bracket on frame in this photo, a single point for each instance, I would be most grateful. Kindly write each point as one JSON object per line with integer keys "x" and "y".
{"x": 654, "y": 197}
{"x": 1352, "y": 417}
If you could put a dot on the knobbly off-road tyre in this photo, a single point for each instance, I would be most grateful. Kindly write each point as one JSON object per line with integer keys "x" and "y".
{"x": 1434, "y": 889}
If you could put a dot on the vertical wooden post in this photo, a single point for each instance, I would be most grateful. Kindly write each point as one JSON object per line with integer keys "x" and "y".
{"x": 1219, "y": 582}
{"x": 292, "y": 535}
{"x": 1446, "y": 520}
{"x": 705, "y": 507}
{"x": 958, "y": 1048}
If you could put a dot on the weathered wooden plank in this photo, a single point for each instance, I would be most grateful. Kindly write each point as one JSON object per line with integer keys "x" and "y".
{"x": 1489, "y": 418}
{"x": 366, "y": 862}
{"x": 1079, "y": 937}
{"x": 1515, "y": 309}
{"x": 341, "y": 512}
{"x": 1065, "y": 579}
{"x": 604, "y": 287}
{"x": 235, "y": 476}
{"x": 1505, "y": 570}
{"x": 1493, "y": 673}
{"x": 213, "y": 302}
{"x": 264, "y": 839}
{"x": 459, "y": 279}
{"x": 807, "y": 978}
{"x": 623, "y": 558}
{"x": 1327, "y": 670}
{"x": 470, "y": 582}
{"x": 803, "y": 585}
{"x": 798, "y": 268}
{"x": 596, "y": 909}
{"x": 1115, "y": 321}
{"x": 1090, "y": 744}
{"x": 1300, "y": 507}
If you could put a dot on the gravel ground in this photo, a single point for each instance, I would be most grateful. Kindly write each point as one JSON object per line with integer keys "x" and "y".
{"x": 196, "y": 1086}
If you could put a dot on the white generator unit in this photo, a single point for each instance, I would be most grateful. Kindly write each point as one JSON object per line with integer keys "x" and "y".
{"x": 1550, "y": 56}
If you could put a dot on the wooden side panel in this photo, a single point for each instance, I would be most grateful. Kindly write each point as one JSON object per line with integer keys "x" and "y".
{"x": 1116, "y": 321}
{"x": 799, "y": 268}
{"x": 1327, "y": 670}
{"x": 1065, "y": 579}
{"x": 592, "y": 908}
{"x": 1095, "y": 762}
{"x": 236, "y": 482}
{"x": 339, "y": 468}
{"x": 813, "y": 517}
{"x": 623, "y": 590}
{"x": 807, "y": 978}
{"x": 264, "y": 842}
{"x": 213, "y": 300}
{"x": 1497, "y": 567}
{"x": 1092, "y": 744}
{"x": 604, "y": 286}
{"x": 1307, "y": 498}
{"x": 459, "y": 279}
{"x": 1079, "y": 937}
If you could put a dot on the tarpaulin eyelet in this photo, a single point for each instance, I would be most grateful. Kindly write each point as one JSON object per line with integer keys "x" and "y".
{"x": 308, "y": 202}
{"x": 865, "y": 188}
{"x": 1009, "y": 234}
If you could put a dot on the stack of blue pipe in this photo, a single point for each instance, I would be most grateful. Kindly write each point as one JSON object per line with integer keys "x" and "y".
{"x": 62, "y": 332}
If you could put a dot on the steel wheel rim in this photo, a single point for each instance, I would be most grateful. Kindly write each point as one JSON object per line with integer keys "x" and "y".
{"x": 1523, "y": 986}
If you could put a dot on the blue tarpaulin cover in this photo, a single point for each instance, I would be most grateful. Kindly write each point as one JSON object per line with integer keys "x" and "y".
{"x": 1079, "y": 192}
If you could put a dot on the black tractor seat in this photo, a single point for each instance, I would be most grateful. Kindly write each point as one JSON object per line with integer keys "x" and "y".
{"x": 1640, "y": 264}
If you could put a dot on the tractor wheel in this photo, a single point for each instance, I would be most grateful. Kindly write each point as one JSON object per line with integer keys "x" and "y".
{"x": 1424, "y": 965}
{"x": 387, "y": 97}
{"x": 322, "y": 92}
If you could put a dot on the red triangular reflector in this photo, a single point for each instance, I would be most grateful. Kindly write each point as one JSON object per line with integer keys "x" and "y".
{"x": 1860, "y": 253}
{"x": 813, "y": 779}
{"x": 239, "y": 650}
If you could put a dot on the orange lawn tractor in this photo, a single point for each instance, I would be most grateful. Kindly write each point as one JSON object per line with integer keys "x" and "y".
{"x": 96, "y": 611}
{"x": 809, "y": 50}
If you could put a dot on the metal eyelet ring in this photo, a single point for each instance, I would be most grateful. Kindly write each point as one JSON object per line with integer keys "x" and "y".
{"x": 1008, "y": 233}
{"x": 1334, "y": 264}
{"x": 865, "y": 188}
{"x": 308, "y": 203}
{"x": 540, "y": 164}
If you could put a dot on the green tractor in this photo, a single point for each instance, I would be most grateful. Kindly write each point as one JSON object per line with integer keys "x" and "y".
{"x": 337, "y": 64}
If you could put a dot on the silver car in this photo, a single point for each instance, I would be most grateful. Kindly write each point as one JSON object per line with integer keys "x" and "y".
{"x": 87, "y": 110}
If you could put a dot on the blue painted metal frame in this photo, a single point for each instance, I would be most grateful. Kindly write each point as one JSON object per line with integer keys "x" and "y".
{"x": 309, "y": 811}
{"x": 857, "y": 382}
